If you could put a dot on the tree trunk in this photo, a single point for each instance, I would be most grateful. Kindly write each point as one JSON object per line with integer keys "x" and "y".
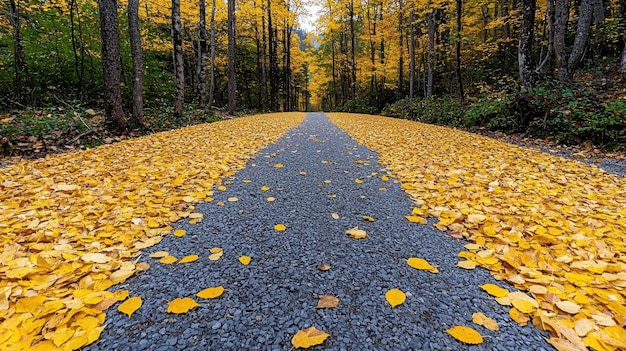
{"x": 201, "y": 70}
{"x": 561, "y": 17}
{"x": 287, "y": 75}
{"x": 457, "y": 51}
{"x": 504, "y": 13}
{"x": 524, "y": 53}
{"x": 623, "y": 64}
{"x": 400, "y": 92}
{"x": 582, "y": 34}
{"x": 548, "y": 62}
{"x": 135, "y": 49}
{"x": 352, "y": 51}
{"x": 19, "y": 59}
{"x": 212, "y": 64}
{"x": 273, "y": 60}
{"x": 114, "y": 114}
{"x": 77, "y": 64}
{"x": 179, "y": 67}
{"x": 412, "y": 55}
{"x": 431, "y": 52}
{"x": 232, "y": 76}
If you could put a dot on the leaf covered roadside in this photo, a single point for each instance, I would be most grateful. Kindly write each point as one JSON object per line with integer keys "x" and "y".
{"x": 72, "y": 224}
{"x": 547, "y": 225}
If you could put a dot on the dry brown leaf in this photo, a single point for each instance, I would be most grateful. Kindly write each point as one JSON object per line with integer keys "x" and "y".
{"x": 323, "y": 267}
{"x": 327, "y": 301}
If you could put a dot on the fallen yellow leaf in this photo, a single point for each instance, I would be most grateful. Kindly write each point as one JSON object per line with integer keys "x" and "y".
{"x": 245, "y": 260}
{"x": 180, "y": 232}
{"x": 211, "y": 293}
{"x": 189, "y": 258}
{"x": 494, "y": 290}
{"x": 131, "y": 305}
{"x": 356, "y": 233}
{"x": 422, "y": 264}
{"x": 489, "y": 323}
{"x": 168, "y": 259}
{"x": 395, "y": 297}
{"x": 308, "y": 337}
{"x": 181, "y": 305}
{"x": 280, "y": 227}
{"x": 465, "y": 334}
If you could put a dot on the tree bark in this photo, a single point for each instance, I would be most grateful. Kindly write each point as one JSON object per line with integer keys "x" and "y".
{"x": 136, "y": 53}
{"x": 19, "y": 59}
{"x": 232, "y": 76}
{"x": 524, "y": 52}
{"x": 561, "y": 17}
{"x": 400, "y": 92}
{"x": 273, "y": 60}
{"x": 179, "y": 65}
{"x": 78, "y": 65}
{"x": 457, "y": 51}
{"x": 201, "y": 70}
{"x": 412, "y": 55}
{"x": 212, "y": 64}
{"x": 352, "y": 51}
{"x": 623, "y": 64}
{"x": 582, "y": 34}
{"x": 114, "y": 114}
{"x": 431, "y": 52}
{"x": 548, "y": 61}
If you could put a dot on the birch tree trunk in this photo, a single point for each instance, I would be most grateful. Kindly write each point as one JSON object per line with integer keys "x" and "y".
{"x": 179, "y": 68}
{"x": 114, "y": 114}
{"x": 137, "y": 55}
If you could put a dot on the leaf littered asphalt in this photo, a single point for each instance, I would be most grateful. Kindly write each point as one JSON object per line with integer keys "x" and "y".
{"x": 314, "y": 171}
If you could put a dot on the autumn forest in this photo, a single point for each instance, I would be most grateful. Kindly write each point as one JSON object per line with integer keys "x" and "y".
{"x": 551, "y": 69}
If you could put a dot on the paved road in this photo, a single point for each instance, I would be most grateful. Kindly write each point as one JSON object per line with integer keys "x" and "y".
{"x": 266, "y": 302}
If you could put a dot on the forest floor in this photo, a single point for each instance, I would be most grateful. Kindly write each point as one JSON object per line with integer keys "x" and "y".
{"x": 241, "y": 234}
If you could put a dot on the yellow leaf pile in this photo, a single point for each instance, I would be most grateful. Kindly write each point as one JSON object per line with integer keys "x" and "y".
{"x": 72, "y": 224}
{"x": 536, "y": 219}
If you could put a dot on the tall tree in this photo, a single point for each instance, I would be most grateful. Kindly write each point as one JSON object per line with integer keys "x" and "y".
{"x": 232, "y": 76}
{"x": 19, "y": 59}
{"x": 136, "y": 52}
{"x": 412, "y": 54}
{"x": 431, "y": 52}
{"x": 114, "y": 114}
{"x": 201, "y": 69}
{"x": 179, "y": 68}
{"x": 457, "y": 51}
{"x": 400, "y": 92}
{"x": 273, "y": 59}
{"x": 567, "y": 63}
{"x": 524, "y": 52}
{"x": 212, "y": 64}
